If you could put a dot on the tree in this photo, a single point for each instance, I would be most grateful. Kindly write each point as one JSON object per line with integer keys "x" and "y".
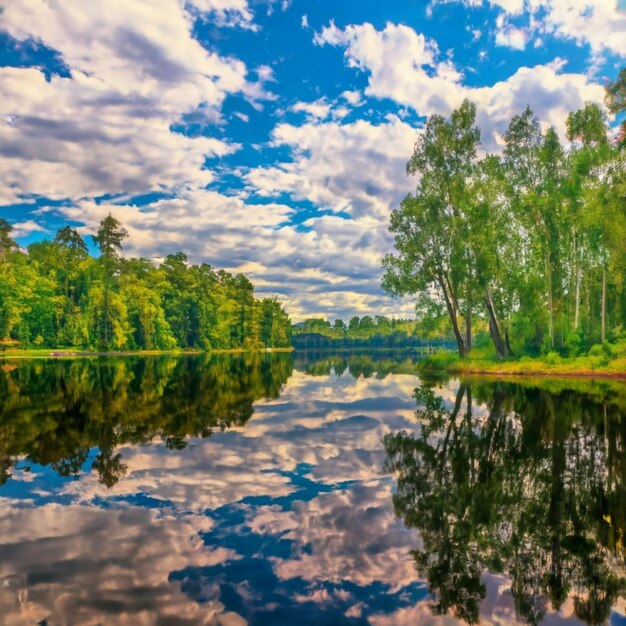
{"x": 57, "y": 295}
{"x": 107, "y": 315}
{"x": 430, "y": 228}
{"x": 7, "y": 245}
{"x": 616, "y": 101}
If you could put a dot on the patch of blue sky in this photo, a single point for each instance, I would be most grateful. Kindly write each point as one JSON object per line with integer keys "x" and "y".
{"x": 270, "y": 599}
{"x": 43, "y": 484}
{"x": 139, "y": 200}
{"x": 31, "y": 53}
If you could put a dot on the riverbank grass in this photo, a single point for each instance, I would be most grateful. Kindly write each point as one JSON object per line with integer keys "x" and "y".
{"x": 602, "y": 360}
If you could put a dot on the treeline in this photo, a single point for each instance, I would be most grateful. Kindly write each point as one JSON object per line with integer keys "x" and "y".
{"x": 371, "y": 332}
{"x": 56, "y": 295}
{"x": 360, "y": 329}
{"x": 530, "y": 243}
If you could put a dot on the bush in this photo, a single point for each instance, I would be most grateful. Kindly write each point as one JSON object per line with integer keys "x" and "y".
{"x": 552, "y": 358}
{"x": 573, "y": 344}
{"x": 440, "y": 361}
{"x": 602, "y": 354}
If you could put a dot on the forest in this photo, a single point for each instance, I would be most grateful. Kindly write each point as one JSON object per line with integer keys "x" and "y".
{"x": 527, "y": 245}
{"x": 56, "y": 295}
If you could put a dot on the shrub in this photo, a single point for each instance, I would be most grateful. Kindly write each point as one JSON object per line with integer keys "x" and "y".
{"x": 552, "y": 358}
{"x": 603, "y": 349}
{"x": 440, "y": 361}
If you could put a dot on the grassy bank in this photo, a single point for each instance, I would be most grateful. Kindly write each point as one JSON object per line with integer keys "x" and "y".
{"x": 48, "y": 353}
{"x": 608, "y": 361}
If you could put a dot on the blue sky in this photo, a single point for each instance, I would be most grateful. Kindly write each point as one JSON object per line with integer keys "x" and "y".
{"x": 266, "y": 136}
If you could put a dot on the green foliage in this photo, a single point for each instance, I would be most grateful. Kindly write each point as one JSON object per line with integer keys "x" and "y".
{"x": 528, "y": 245}
{"x": 552, "y": 358}
{"x": 59, "y": 296}
{"x": 616, "y": 93}
{"x": 438, "y": 362}
{"x": 379, "y": 331}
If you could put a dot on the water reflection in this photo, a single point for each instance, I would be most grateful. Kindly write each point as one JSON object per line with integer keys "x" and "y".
{"x": 530, "y": 485}
{"x": 55, "y": 411}
{"x": 117, "y": 508}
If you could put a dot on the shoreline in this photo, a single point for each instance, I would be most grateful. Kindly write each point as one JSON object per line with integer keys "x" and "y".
{"x": 74, "y": 354}
{"x": 588, "y": 374}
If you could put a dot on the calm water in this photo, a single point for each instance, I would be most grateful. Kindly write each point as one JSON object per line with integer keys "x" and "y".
{"x": 306, "y": 490}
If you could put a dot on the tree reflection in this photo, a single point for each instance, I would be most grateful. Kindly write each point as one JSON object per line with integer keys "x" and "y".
{"x": 377, "y": 364}
{"x": 54, "y": 412}
{"x": 528, "y": 483}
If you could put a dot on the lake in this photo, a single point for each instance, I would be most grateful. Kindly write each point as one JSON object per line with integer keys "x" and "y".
{"x": 306, "y": 489}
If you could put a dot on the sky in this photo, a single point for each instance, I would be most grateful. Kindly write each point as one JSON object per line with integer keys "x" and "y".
{"x": 270, "y": 137}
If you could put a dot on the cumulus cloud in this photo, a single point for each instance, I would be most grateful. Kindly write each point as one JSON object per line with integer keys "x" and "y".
{"x": 404, "y": 65}
{"x": 227, "y": 12}
{"x": 356, "y": 168}
{"x": 598, "y": 23}
{"x": 355, "y": 171}
{"x": 318, "y": 110}
{"x": 25, "y": 228}
{"x": 510, "y": 36}
{"x": 135, "y": 72}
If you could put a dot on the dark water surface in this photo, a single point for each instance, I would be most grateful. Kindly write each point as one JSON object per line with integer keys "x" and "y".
{"x": 306, "y": 489}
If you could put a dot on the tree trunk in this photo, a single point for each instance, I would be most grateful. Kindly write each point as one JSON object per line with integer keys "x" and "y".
{"x": 507, "y": 342}
{"x": 468, "y": 327}
{"x": 603, "y": 304}
{"x": 453, "y": 312}
{"x": 494, "y": 329}
{"x": 550, "y": 304}
{"x": 577, "y": 303}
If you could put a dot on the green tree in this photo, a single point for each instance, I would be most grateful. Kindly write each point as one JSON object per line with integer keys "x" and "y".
{"x": 107, "y": 310}
{"x": 430, "y": 226}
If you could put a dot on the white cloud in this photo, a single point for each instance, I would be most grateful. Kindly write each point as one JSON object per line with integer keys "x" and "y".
{"x": 510, "y": 6}
{"x": 318, "y": 110}
{"x": 598, "y": 23}
{"x": 355, "y": 168}
{"x": 27, "y": 227}
{"x": 352, "y": 97}
{"x": 510, "y": 36}
{"x": 404, "y": 65}
{"x": 227, "y": 12}
{"x": 135, "y": 71}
